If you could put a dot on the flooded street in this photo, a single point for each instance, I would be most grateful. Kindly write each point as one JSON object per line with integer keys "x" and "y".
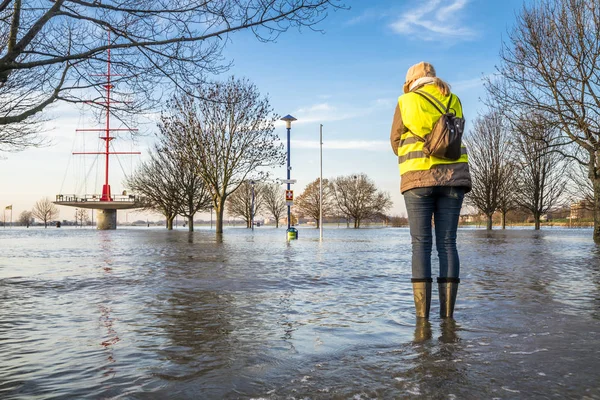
{"x": 151, "y": 314}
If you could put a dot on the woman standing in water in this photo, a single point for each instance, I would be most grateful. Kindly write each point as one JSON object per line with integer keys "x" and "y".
{"x": 432, "y": 187}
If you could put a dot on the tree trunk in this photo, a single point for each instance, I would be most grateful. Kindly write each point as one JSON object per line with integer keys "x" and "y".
{"x": 596, "y": 183}
{"x": 488, "y": 222}
{"x": 503, "y": 219}
{"x": 536, "y": 220}
{"x": 170, "y": 223}
{"x": 356, "y": 223}
{"x": 219, "y": 209}
{"x": 191, "y": 223}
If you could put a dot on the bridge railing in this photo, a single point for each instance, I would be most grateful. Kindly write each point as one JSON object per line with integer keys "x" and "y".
{"x": 96, "y": 197}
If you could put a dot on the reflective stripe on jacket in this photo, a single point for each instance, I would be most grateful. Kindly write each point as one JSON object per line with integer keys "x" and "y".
{"x": 418, "y": 116}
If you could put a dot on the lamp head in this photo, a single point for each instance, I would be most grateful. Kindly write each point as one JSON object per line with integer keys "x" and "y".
{"x": 288, "y": 121}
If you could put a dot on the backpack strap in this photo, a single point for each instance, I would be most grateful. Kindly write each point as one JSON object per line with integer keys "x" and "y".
{"x": 429, "y": 97}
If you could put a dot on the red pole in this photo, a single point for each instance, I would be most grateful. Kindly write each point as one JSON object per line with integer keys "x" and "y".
{"x": 106, "y": 189}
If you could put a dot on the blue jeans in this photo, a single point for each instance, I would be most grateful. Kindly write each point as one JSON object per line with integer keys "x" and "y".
{"x": 443, "y": 203}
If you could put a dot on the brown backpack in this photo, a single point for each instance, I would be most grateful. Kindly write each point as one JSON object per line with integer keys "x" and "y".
{"x": 446, "y": 136}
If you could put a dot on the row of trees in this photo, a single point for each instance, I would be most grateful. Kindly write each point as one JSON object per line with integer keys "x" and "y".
{"x": 513, "y": 166}
{"x": 353, "y": 197}
{"x": 43, "y": 210}
{"x": 208, "y": 146}
{"x": 547, "y": 89}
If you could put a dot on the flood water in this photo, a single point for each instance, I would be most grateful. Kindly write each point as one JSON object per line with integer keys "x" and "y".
{"x": 151, "y": 314}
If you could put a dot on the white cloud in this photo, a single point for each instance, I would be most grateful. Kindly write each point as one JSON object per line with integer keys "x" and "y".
{"x": 366, "y": 16}
{"x": 327, "y": 112}
{"x": 321, "y": 112}
{"x": 368, "y": 145}
{"x": 474, "y": 83}
{"x": 435, "y": 20}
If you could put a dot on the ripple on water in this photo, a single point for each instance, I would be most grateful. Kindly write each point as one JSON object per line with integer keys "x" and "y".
{"x": 154, "y": 314}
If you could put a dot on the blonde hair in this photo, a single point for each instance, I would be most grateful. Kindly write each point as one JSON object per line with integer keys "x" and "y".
{"x": 443, "y": 86}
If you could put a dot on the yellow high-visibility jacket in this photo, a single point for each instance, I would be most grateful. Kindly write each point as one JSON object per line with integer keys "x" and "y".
{"x": 416, "y": 116}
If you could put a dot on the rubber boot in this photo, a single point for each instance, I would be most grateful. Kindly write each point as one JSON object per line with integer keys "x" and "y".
{"x": 422, "y": 295}
{"x": 448, "y": 289}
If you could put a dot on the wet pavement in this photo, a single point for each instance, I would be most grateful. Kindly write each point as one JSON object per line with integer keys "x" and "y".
{"x": 146, "y": 313}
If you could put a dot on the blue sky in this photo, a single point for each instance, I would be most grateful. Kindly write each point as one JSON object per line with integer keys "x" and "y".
{"x": 347, "y": 78}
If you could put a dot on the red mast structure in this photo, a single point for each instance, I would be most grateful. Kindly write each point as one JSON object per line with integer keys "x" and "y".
{"x": 107, "y": 205}
{"x": 106, "y": 195}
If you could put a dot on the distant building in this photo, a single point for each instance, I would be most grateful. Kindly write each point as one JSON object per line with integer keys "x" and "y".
{"x": 582, "y": 210}
{"x": 468, "y": 218}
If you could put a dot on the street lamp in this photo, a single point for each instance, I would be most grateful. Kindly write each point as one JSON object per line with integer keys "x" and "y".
{"x": 252, "y": 207}
{"x": 321, "y": 184}
{"x": 292, "y": 233}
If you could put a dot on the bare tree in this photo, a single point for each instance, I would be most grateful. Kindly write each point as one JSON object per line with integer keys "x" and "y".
{"x": 45, "y": 211}
{"x": 193, "y": 194}
{"x": 580, "y": 186}
{"x": 490, "y": 164}
{"x": 274, "y": 201}
{"x": 308, "y": 203}
{"x": 542, "y": 178}
{"x": 508, "y": 193}
{"x": 51, "y": 50}
{"x": 550, "y": 66}
{"x": 357, "y": 197}
{"x": 25, "y": 218}
{"x": 157, "y": 183}
{"x": 246, "y": 201}
{"x": 81, "y": 216}
{"x": 228, "y": 130}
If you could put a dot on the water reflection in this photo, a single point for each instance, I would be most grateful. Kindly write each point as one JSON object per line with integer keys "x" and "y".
{"x": 150, "y": 313}
{"x": 422, "y": 330}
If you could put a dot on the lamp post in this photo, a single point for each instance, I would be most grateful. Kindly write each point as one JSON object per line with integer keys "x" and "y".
{"x": 252, "y": 207}
{"x": 291, "y": 232}
{"x": 321, "y": 184}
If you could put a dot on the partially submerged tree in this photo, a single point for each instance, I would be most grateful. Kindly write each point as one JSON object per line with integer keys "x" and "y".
{"x": 357, "y": 197}
{"x": 193, "y": 195}
{"x": 490, "y": 163}
{"x": 507, "y": 194}
{"x": 156, "y": 182}
{"x": 228, "y": 130}
{"x": 541, "y": 177}
{"x": 45, "y": 211}
{"x": 274, "y": 201}
{"x": 25, "y": 218}
{"x": 308, "y": 203}
{"x": 550, "y": 66}
{"x": 54, "y": 50}
{"x": 246, "y": 201}
{"x": 81, "y": 216}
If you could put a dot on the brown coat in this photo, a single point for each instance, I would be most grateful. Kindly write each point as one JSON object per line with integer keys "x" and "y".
{"x": 440, "y": 175}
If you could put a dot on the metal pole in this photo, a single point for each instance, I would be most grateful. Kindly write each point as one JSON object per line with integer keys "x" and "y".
{"x": 252, "y": 207}
{"x": 288, "y": 171}
{"x": 321, "y": 185}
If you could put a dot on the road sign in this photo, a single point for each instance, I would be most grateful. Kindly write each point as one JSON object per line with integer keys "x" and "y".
{"x": 289, "y": 203}
{"x": 289, "y": 195}
{"x": 288, "y": 181}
